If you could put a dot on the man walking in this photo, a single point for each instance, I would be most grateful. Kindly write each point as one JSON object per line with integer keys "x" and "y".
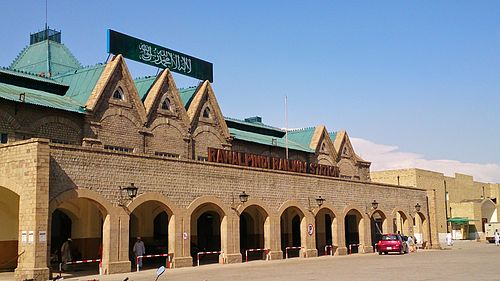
{"x": 139, "y": 250}
{"x": 66, "y": 253}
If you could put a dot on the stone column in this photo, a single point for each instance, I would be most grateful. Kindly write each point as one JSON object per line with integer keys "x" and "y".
{"x": 115, "y": 238}
{"x": 180, "y": 231}
{"x": 275, "y": 237}
{"x": 432, "y": 220}
{"x": 308, "y": 240}
{"x": 32, "y": 159}
{"x": 231, "y": 241}
{"x": 342, "y": 249}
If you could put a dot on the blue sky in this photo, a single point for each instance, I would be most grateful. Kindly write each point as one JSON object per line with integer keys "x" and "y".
{"x": 419, "y": 76}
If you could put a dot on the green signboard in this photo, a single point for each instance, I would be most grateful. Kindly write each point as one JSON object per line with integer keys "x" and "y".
{"x": 149, "y": 53}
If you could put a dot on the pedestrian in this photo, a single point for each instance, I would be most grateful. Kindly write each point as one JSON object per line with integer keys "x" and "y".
{"x": 449, "y": 239}
{"x": 411, "y": 244}
{"x": 66, "y": 252}
{"x": 497, "y": 237}
{"x": 139, "y": 250}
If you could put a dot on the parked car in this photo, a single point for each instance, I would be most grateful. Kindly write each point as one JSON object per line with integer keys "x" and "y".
{"x": 392, "y": 243}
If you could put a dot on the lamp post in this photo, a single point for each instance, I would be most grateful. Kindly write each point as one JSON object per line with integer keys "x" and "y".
{"x": 374, "y": 204}
{"x": 418, "y": 207}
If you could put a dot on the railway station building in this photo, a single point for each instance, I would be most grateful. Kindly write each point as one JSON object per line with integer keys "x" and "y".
{"x": 77, "y": 143}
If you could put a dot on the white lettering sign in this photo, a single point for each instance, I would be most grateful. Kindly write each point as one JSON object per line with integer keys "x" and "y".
{"x": 31, "y": 236}
{"x": 42, "y": 236}
{"x": 164, "y": 58}
{"x": 24, "y": 236}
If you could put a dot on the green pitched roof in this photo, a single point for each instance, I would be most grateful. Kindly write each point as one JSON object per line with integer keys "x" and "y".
{"x": 187, "y": 95}
{"x": 302, "y": 136}
{"x": 333, "y": 135}
{"x": 143, "y": 85}
{"x": 267, "y": 140}
{"x": 81, "y": 82}
{"x": 254, "y": 126}
{"x": 36, "y": 97}
{"x": 39, "y": 57}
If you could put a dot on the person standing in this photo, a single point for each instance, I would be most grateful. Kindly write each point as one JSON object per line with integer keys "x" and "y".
{"x": 411, "y": 244}
{"x": 66, "y": 252}
{"x": 497, "y": 237}
{"x": 449, "y": 239}
{"x": 139, "y": 250}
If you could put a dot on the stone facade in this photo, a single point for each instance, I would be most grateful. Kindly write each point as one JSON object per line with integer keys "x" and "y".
{"x": 69, "y": 184}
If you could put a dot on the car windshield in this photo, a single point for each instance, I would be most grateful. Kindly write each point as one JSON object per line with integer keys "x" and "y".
{"x": 389, "y": 237}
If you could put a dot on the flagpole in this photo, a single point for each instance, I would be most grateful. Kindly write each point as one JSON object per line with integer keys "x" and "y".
{"x": 286, "y": 126}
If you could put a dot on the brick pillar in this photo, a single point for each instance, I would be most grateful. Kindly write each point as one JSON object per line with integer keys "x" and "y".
{"x": 365, "y": 234}
{"x": 275, "y": 237}
{"x": 308, "y": 241}
{"x": 32, "y": 158}
{"x": 179, "y": 229}
{"x": 115, "y": 242}
{"x": 342, "y": 248}
{"x": 432, "y": 220}
{"x": 230, "y": 236}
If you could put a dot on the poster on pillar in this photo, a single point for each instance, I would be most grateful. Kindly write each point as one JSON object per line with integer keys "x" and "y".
{"x": 310, "y": 229}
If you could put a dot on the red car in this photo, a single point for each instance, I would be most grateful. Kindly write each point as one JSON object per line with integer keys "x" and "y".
{"x": 392, "y": 243}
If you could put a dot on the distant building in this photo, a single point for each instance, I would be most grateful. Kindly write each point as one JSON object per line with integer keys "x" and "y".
{"x": 463, "y": 205}
{"x": 75, "y": 140}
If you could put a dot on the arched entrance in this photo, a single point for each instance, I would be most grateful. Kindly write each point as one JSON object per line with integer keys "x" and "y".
{"x": 292, "y": 222}
{"x": 9, "y": 216}
{"x": 488, "y": 213}
{"x": 326, "y": 232}
{"x": 151, "y": 222}
{"x": 354, "y": 229}
{"x": 81, "y": 220}
{"x": 421, "y": 229}
{"x": 400, "y": 224}
{"x": 253, "y": 222}
{"x": 206, "y": 232}
{"x": 378, "y": 223}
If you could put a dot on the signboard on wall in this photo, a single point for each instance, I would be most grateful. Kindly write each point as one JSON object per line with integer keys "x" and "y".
{"x": 158, "y": 56}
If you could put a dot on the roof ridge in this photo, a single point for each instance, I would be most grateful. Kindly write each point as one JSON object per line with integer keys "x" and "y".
{"x": 79, "y": 70}
{"x": 21, "y": 53}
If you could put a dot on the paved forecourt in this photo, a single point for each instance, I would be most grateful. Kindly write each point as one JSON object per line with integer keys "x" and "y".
{"x": 466, "y": 260}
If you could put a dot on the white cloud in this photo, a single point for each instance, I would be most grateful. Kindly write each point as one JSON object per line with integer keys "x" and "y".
{"x": 388, "y": 157}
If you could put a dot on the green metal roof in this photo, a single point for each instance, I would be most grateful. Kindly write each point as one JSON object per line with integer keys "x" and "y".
{"x": 37, "y": 97}
{"x": 333, "y": 136}
{"x": 187, "y": 95}
{"x": 267, "y": 140}
{"x": 38, "y": 57}
{"x": 302, "y": 136}
{"x": 143, "y": 85}
{"x": 460, "y": 220}
{"x": 255, "y": 127}
{"x": 81, "y": 82}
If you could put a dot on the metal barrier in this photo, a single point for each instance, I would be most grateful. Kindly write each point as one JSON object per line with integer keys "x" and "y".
{"x": 257, "y": 250}
{"x": 79, "y": 262}
{"x": 331, "y": 250}
{"x": 169, "y": 259}
{"x": 350, "y": 247}
{"x": 206, "y": 253}
{"x": 291, "y": 248}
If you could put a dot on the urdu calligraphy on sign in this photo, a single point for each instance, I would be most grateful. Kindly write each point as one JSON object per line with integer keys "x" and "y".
{"x": 164, "y": 58}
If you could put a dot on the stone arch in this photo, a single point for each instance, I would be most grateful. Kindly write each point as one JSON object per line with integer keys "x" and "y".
{"x": 291, "y": 203}
{"x": 255, "y": 227}
{"x": 327, "y": 229}
{"x": 162, "y": 121}
{"x": 153, "y": 196}
{"x": 421, "y": 228}
{"x": 102, "y": 203}
{"x": 9, "y": 236}
{"x": 116, "y": 111}
{"x": 401, "y": 221}
{"x": 379, "y": 224}
{"x": 355, "y": 229}
{"x": 208, "y": 129}
{"x": 204, "y": 200}
{"x": 489, "y": 210}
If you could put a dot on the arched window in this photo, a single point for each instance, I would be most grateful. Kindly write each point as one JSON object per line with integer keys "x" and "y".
{"x": 165, "y": 104}
{"x": 206, "y": 112}
{"x": 118, "y": 94}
